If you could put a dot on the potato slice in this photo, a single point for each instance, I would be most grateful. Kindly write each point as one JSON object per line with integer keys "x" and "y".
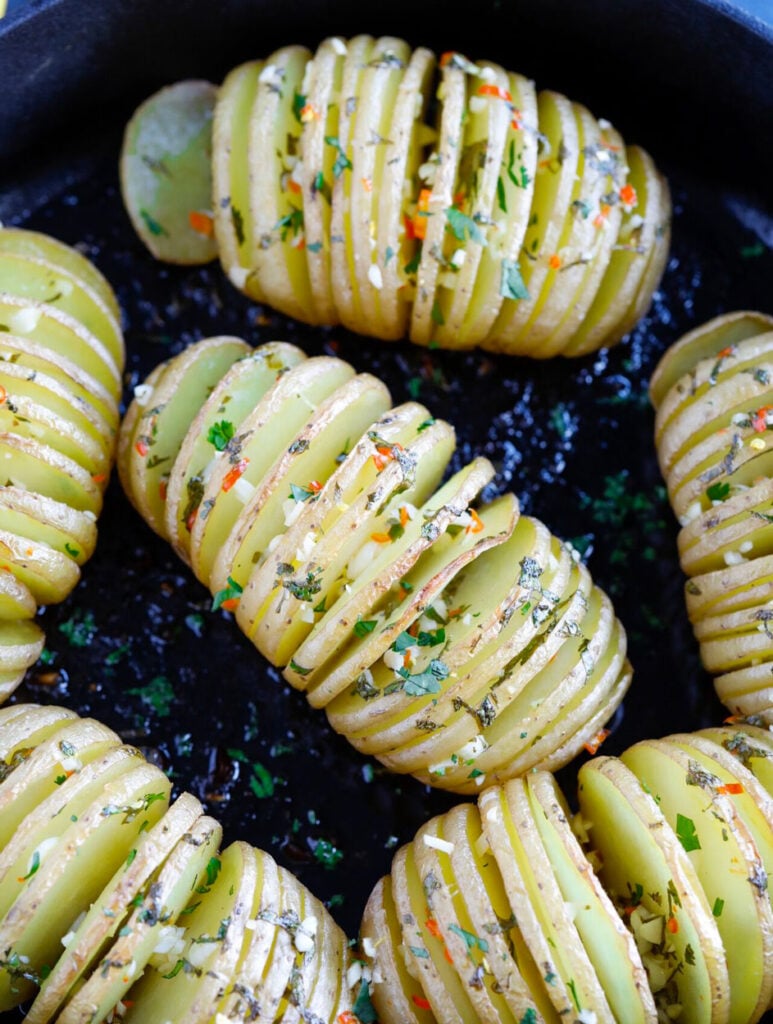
{"x": 370, "y": 150}
{"x": 229, "y": 402}
{"x": 39, "y": 246}
{"x": 107, "y": 915}
{"x": 62, "y": 335}
{"x": 408, "y": 133}
{"x": 65, "y": 878}
{"x": 166, "y": 176}
{"x": 553, "y": 192}
{"x": 213, "y": 936}
{"x": 38, "y": 280}
{"x": 270, "y": 427}
{"x": 637, "y": 262}
{"x": 230, "y": 176}
{"x": 277, "y": 258}
{"x": 48, "y": 522}
{"x": 16, "y": 600}
{"x": 644, "y": 865}
{"x": 432, "y": 214}
{"x": 319, "y": 115}
{"x": 362, "y": 497}
{"x": 704, "y": 342}
{"x": 21, "y": 642}
{"x": 385, "y": 571}
{"x": 35, "y": 466}
{"x": 297, "y": 475}
{"x": 48, "y": 765}
{"x": 190, "y": 868}
{"x": 22, "y": 727}
{"x": 717, "y": 841}
{"x": 511, "y": 212}
{"x": 150, "y": 441}
{"x": 609, "y": 944}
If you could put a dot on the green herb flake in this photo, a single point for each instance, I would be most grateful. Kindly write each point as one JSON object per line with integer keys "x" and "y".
{"x": 363, "y": 627}
{"x": 501, "y": 199}
{"x": 327, "y": 854}
{"x": 511, "y": 285}
{"x": 363, "y": 1008}
{"x": 300, "y": 493}
{"x": 437, "y": 314}
{"x": 219, "y": 434}
{"x": 71, "y": 551}
{"x": 299, "y": 668}
{"x": 342, "y": 161}
{"x": 719, "y": 906}
{"x": 299, "y": 102}
{"x": 471, "y": 940}
{"x": 152, "y": 225}
{"x": 686, "y": 834}
{"x": 718, "y": 491}
{"x": 34, "y": 865}
{"x": 464, "y": 227}
{"x": 238, "y": 224}
{"x": 158, "y": 694}
{"x": 79, "y": 629}
{"x": 261, "y": 782}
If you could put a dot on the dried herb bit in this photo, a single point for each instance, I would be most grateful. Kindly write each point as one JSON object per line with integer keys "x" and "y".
{"x": 511, "y": 285}
{"x": 342, "y": 161}
{"x": 238, "y": 224}
{"x": 301, "y": 445}
{"x": 79, "y": 629}
{"x": 228, "y": 597}
{"x": 326, "y": 853}
{"x": 220, "y": 434}
{"x": 463, "y": 226}
{"x": 686, "y": 834}
{"x": 303, "y": 589}
{"x": 157, "y": 694}
{"x": 422, "y": 683}
{"x": 363, "y": 1008}
{"x": 364, "y": 687}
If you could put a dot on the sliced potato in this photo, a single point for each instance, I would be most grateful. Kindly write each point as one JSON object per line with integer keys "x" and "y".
{"x": 166, "y": 176}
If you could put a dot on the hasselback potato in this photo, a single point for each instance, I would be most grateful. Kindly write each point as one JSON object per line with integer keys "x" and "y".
{"x": 365, "y": 186}
{"x": 456, "y": 641}
{"x": 115, "y": 904}
{"x": 650, "y": 904}
{"x": 61, "y": 360}
{"x": 714, "y": 399}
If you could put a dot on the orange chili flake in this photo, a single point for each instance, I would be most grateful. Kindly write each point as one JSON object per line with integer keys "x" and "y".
{"x": 403, "y": 516}
{"x": 141, "y": 447}
{"x": 731, "y": 719}
{"x": 309, "y": 113}
{"x": 367, "y": 184}
{"x": 233, "y": 474}
{"x": 447, "y": 57}
{"x": 555, "y": 261}
{"x": 447, "y": 955}
{"x": 202, "y": 223}
{"x": 230, "y": 604}
{"x": 293, "y": 186}
{"x": 191, "y": 520}
{"x": 413, "y": 629}
{"x": 379, "y": 461}
{"x": 454, "y": 613}
{"x": 421, "y": 1002}
{"x": 602, "y": 215}
{"x": 315, "y": 485}
{"x": 495, "y": 90}
{"x": 515, "y": 123}
{"x": 420, "y": 216}
{"x": 760, "y": 419}
{"x": 347, "y": 1017}
{"x": 3, "y": 394}
{"x": 162, "y": 489}
{"x": 628, "y": 195}
{"x": 99, "y": 478}
{"x": 381, "y": 538}
{"x": 725, "y": 353}
{"x": 731, "y": 788}
{"x": 673, "y": 925}
{"x": 593, "y": 744}
{"x": 433, "y": 928}
{"x": 477, "y": 523}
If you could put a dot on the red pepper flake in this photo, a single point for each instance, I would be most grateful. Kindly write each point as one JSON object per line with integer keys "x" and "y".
{"x": 725, "y": 353}
{"x": 673, "y": 925}
{"x": 309, "y": 113}
{"x": 455, "y": 613}
{"x": 233, "y": 474}
{"x": 293, "y": 186}
{"x": 593, "y": 744}
{"x": 447, "y": 955}
{"x": 495, "y": 90}
{"x": 515, "y": 123}
{"x": 230, "y": 604}
{"x": 3, "y": 394}
{"x": 447, "y": 57}
{"x": 421, "y": 1002}
{"x": 381, "y": 538}
{"x": 731, "y": 788}
{"x": 760, "y": 419}
{"x": 732, "y": 719}
{"x": 433, "y": 928}
{"x": 403, "y": 516}
{"x": 628, "y": 195}
{"x": 315, "y": 486}
{"x": 141, "y": 447}
{"x": 191, "y": 520}
{"x": 347, "y": 1017}
{"x": 202, "y": 223}
{"x": 601, "y": 216}
{"x": 99, "y": 478}
{"x": 555, "y": 261}
{"x": 413, "y": 629}
{"x": 419, "y": 222}
{"x": 477, "y": 523}
{"x": 162, "y": 489}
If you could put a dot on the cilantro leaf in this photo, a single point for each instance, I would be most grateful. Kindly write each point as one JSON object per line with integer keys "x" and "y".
{"x": 220, "y": 434}
{"x": 511, "y": 285}
{"x": 686, "y": 834}
{"x": 464, "y": 227}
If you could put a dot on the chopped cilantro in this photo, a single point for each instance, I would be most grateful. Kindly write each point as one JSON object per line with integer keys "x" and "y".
{"x": 261, "y": 782}
{"x": 326, "y": 853}
{"x": 157, "y": 694}
{"x": 511, "y": 285}
{"x": 364, "y": 626}
{"x": 300, "y": 493}
{"x": 79, "y": 629}
{"x": 686, "y": 834}
{"x": 464, "y": 227}
{"x": 220, "y": 434}
{"x": 363, "y": 1008}
{"x": 230, "y": 592}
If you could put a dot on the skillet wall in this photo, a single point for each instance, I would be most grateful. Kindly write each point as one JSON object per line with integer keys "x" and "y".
{"x": 689, "y": 81}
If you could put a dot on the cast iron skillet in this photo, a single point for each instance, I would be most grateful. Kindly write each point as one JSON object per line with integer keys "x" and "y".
{"x": 136, "y": 644}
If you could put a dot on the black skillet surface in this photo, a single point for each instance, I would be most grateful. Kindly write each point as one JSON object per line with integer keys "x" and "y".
{"x": 136, "y": 645}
